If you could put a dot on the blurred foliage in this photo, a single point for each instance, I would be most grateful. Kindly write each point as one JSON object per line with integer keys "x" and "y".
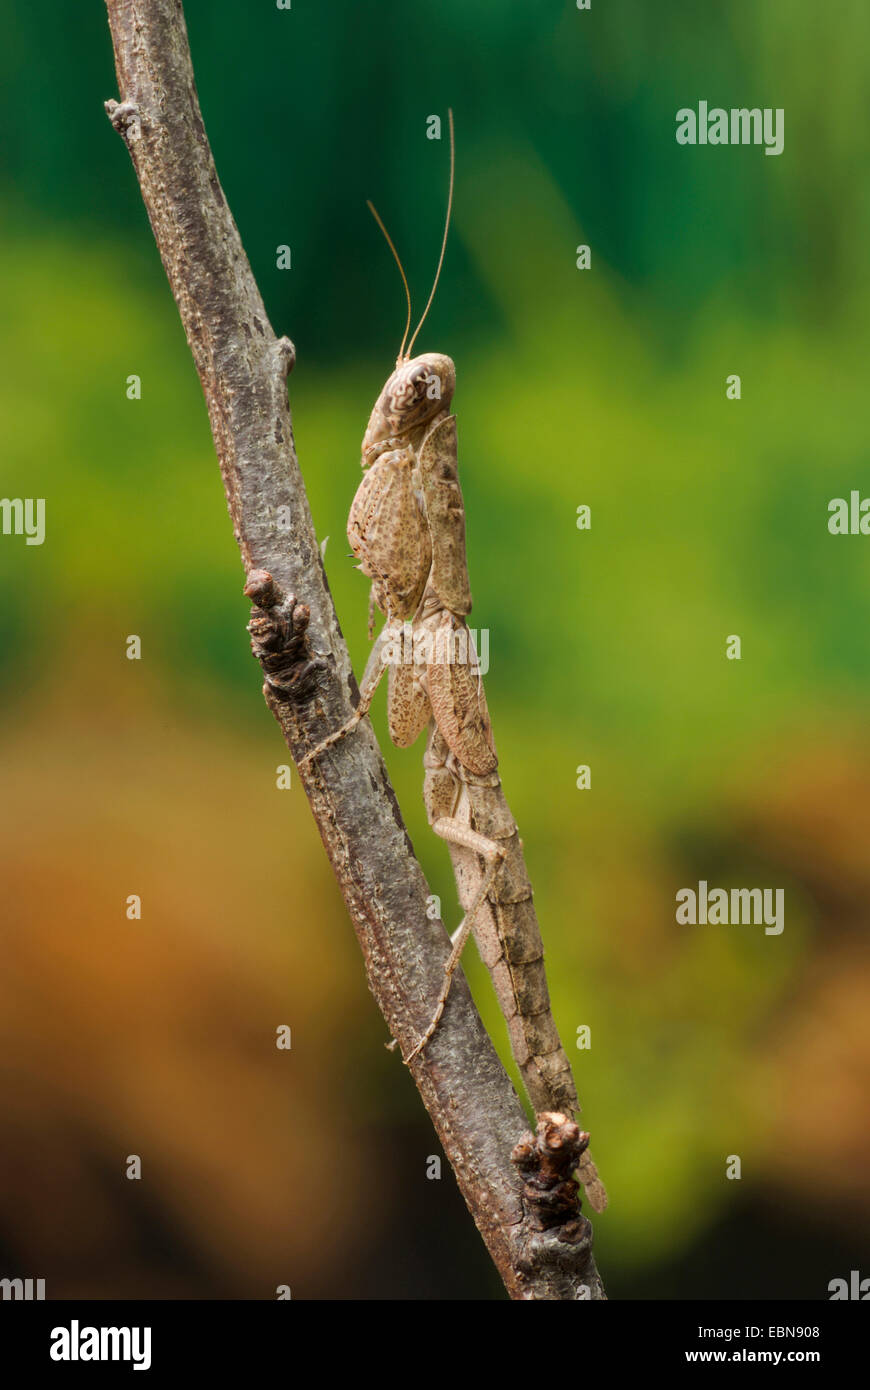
{"x": 604, "y": 387}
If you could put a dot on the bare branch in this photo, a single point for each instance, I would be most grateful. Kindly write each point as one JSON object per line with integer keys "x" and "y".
{"x": 310, "y": 685}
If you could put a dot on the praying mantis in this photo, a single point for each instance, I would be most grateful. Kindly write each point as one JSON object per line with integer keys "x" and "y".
{"x": 407, "y": 528}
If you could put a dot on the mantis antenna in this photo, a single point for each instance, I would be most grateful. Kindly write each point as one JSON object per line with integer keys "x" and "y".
{"x": 403, "y": 355}
{"x": 446, "y": 230}
{"x": 389, "y": 240}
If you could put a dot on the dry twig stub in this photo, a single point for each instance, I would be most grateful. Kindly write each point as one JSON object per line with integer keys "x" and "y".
{"x": 547, "y": 1159}
{"x": 279, "y": 640}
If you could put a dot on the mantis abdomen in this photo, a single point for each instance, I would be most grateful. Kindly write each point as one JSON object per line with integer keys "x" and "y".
{"x": 506, "y": 929}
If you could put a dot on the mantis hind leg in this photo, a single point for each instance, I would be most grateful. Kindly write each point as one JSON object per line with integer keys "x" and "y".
{"x": 457, "y": 832}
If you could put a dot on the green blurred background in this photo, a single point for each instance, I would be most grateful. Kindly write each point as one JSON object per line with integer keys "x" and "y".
{"x": 709, "y": 517}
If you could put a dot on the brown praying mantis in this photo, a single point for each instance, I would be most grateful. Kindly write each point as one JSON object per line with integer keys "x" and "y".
{"x": 407, "y": 529}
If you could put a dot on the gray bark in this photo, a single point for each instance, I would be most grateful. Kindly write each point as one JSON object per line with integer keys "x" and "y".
{"x": 243, "y": 369}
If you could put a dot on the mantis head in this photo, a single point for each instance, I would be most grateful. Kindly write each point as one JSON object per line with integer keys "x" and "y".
{"x": 420, "y": 389}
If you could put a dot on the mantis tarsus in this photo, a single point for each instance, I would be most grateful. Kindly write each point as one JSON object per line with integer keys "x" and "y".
{"x": 407, "y": 528}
